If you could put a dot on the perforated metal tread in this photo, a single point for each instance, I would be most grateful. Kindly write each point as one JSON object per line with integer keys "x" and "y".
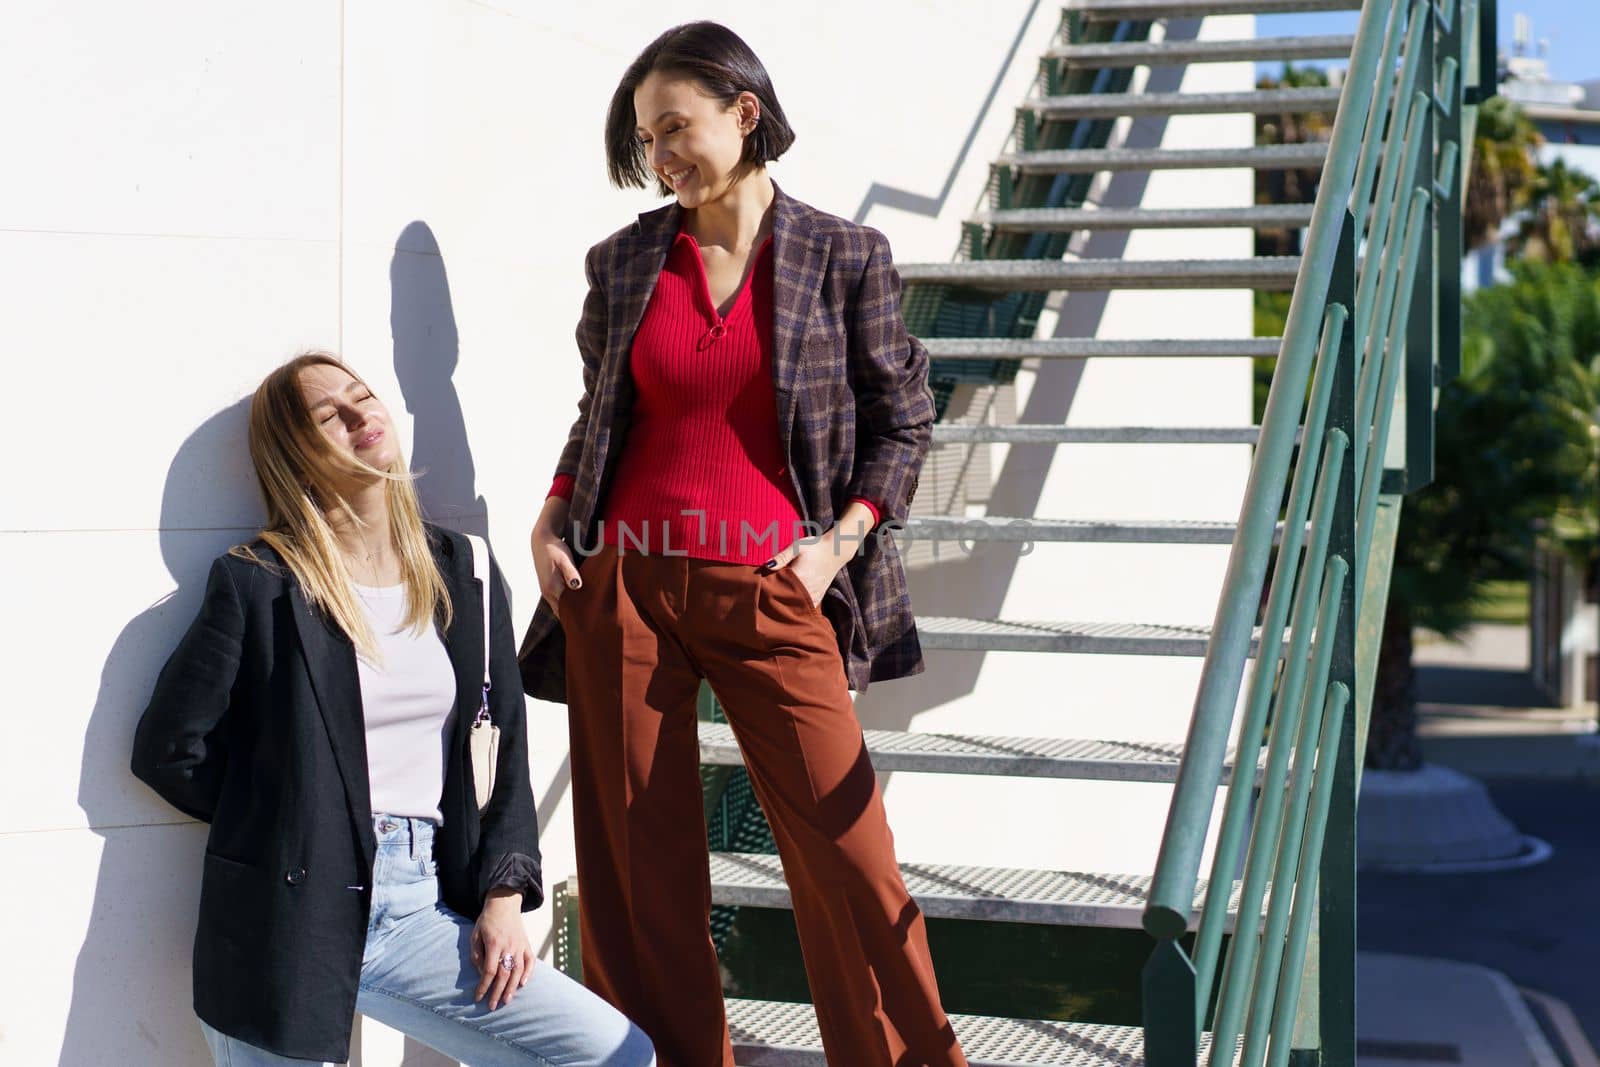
{"x": 1071, "y": 220}
{"x": 1044, "y": 433}
{"x": 1101, "y": 638}
{"x": 775, "y": 1034}
{"x": 1003, "y": 529}
{"x": 1047, "y": 275}
{"x": 1168, "y": 53}
{"x": 1100, "y": 348}
{"x": 989, "y": 894}
{"x": 1090, "y": 160}
{"x": 1149, "y": 9}
{"x": 1023, "y": 530}
{"x": 1245, "y": 102}
{"x": 1024, "y": 757}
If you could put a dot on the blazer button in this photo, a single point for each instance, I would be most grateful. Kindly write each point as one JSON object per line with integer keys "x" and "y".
{"x": 295, "y": 875}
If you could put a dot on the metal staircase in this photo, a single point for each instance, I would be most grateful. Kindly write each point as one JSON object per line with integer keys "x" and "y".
{"x": 1373, "y": 309}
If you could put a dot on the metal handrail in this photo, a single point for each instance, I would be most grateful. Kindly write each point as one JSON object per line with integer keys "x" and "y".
{"x": 1178, "y": 867}
{"x": 1366, "y": 307}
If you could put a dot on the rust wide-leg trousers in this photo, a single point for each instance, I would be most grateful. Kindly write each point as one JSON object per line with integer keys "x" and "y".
{"x": 641, "y": 632}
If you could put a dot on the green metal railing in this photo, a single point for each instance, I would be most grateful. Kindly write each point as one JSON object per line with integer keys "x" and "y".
{"x": 1373, "y": 325}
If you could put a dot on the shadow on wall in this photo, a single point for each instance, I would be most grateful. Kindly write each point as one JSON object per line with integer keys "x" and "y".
{"x": 131, "y": 988}
{"x": 930, "y": 206}
{"x": 427, "y": 348}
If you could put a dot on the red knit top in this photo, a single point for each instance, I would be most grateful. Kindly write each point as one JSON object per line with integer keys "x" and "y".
{"x": 703, "y": 437}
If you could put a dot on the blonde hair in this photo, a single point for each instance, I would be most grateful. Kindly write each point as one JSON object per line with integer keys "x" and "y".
{"x": 299, "y": 472}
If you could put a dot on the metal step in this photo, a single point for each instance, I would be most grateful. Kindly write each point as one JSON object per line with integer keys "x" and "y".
{"x": 1068, "y": 220}
{"x": 1140, "y": 10}
{"x": 987, "y": 348}
{"x": 1251, "y": 102}
{"x": 1020, "y": 757}
{"x": 1097, "y": 531}
{"x": 1093, "y": 160}
{"x": 1173, "y": 53}
{"x": 1046, "y": 275}
{"x": 770, "y": 1033}
{"x": 949, "y": 633}
{"x": 1036, "y": 433}
{"x": 986, "y": 894}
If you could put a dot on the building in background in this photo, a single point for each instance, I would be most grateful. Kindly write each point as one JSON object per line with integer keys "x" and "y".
{"x": 1567, "y": 116}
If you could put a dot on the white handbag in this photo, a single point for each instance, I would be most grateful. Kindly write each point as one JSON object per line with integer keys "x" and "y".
{"x": 485, "y": 743}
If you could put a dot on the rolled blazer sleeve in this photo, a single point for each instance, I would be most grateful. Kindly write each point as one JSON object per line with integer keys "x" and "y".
{"x": 508, "y": 842}
{"x": 591, "y": 337}
{"x": 889, "y": 376}
{"x": 177, "y": 746}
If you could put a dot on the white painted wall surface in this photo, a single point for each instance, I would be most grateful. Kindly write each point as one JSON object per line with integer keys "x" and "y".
{"x": 194, "y": 191}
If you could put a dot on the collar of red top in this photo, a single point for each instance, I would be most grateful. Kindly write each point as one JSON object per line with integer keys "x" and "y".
{"x": 685, "y": 236}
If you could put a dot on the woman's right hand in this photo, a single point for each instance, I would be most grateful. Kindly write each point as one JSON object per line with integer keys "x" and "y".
{"x": 552, "y": 560}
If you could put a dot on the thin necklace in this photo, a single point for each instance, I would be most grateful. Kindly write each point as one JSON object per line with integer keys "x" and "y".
{"x": 367, "y": 546}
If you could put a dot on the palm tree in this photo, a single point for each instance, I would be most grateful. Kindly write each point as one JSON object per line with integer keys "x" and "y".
{"x": 1503, "y": 168}
{"x": 1565, "y": 209}
{"x": 1289, "y": 186}
{"x": 1295, "y": 186}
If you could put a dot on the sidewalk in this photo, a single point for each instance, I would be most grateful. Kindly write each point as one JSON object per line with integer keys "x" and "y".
{"x": 1412, "y": 1010}
{"x": 1479, "y": 714}
{"x": 1477, "y": 690}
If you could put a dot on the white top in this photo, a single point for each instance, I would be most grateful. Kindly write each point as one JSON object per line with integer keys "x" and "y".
{"x": 408, "y": 700}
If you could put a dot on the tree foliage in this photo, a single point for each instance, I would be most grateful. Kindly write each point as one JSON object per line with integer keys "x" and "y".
{"x": 1563, "y": 220}
{"x": 1515, "y": 445}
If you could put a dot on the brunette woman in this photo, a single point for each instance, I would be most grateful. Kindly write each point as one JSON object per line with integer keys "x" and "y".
{"x": 752, "y": 408}
{"x": 317, "y": 715}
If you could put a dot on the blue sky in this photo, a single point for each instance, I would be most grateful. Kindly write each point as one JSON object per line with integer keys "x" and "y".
{"x": 1572, "y": 27}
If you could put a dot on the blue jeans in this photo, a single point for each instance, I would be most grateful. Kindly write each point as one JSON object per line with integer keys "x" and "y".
{"x": 417, "y": 976}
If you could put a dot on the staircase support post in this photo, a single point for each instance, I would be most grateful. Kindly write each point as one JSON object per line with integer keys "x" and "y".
{"x": 1422, "y": 327}
{"x": 1335, "y": 956}
{"x": 1450, "y": 243}
{"x": 1171, "y": 1021}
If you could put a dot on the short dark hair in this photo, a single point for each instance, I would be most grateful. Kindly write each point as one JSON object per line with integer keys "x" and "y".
{"x": 724, "y": 66}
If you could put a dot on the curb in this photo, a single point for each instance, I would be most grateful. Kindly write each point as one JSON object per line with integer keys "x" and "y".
{"x": 1561, "y": 1027}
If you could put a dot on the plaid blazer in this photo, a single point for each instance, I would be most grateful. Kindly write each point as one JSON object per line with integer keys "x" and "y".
{"x": 854, "y": 411}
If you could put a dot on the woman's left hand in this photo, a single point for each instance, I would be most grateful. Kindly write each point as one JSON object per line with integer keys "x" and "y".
{"x": 815, "y": 563}
{"x": 497, "y": 938}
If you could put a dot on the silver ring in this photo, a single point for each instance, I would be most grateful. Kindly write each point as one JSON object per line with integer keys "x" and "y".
{"x": 508, "y": 962}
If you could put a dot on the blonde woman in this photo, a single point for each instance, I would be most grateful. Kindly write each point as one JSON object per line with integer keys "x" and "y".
{"x": 316, "y": 715}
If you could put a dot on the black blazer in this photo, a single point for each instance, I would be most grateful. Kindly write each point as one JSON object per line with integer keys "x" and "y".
{"x": 256, "y": 728}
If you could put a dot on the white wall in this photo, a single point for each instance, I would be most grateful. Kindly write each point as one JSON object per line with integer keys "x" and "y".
{"x": 192, "y": 192}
